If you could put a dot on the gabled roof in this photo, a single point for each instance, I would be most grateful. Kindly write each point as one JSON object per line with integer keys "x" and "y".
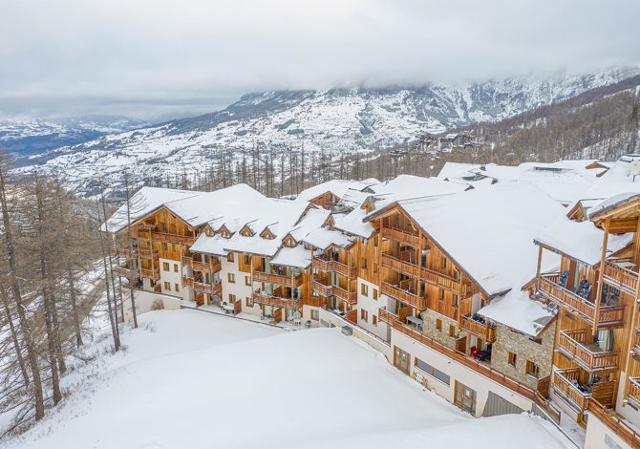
{"x": 337, "y": 187}
{"x": 488, "y": 232}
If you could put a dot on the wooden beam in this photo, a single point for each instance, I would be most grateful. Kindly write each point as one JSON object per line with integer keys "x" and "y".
{"x": 605, "y": 240}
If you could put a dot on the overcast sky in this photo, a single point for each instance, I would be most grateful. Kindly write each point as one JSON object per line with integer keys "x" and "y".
{"x": 172, "y": 57}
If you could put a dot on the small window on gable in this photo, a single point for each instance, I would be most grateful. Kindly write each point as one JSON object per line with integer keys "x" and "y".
{"x": 246, "y": 232}
{"x": 230, "y": 257}
{"x": 267, "y": 234}
{"x": 224, "y": 232}
{"x": 443, "y": 262}
{"x": 289, "y": 242}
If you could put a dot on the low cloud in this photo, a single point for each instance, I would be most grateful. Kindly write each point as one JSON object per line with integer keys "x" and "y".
{"x": 67, "y": 56}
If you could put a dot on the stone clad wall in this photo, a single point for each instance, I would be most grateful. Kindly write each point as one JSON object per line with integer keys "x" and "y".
{"x": 525, "y": 349}
{"x": 429, "y": 328}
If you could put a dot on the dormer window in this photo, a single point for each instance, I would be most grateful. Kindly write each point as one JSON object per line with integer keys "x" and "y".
{"x": 267, "y": 234}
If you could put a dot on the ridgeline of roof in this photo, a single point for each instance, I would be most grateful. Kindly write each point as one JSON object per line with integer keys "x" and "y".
{"x": 612, "y": 203}
{"x": 195, "y": 208}
{"x": 339, "y": 187}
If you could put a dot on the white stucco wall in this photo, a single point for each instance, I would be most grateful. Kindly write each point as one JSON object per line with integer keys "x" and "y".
{"x": 239, "y": 289}
{"x": 456, "y": 371}
{"x": 371, "y": 306}
{"x": 600, "y": 436}
{"x": 172, "y": 276}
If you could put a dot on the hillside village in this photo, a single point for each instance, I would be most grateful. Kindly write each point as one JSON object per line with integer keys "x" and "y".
{"x": 502, "y": 289}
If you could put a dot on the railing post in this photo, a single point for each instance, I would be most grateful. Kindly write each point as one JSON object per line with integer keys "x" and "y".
{"x": 598, "y": 301}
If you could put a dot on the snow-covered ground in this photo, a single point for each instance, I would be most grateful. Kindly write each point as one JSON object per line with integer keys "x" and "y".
{"x": 195, "y": 380}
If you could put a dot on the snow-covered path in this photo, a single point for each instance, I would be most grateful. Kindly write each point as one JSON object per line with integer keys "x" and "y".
{"x": 194, "y": 380}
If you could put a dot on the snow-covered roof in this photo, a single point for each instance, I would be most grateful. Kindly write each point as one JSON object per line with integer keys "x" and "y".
{"x": 312, "y": 220}
{"x": 322, "y": 238}
{"x": 210, "y": 245}
{"x": 613, "y": 202}
{"x": 489, "y": 231}
{"x": 520, "y": 313}
{"x": 580, "y": 240}
{"x": 195, "y": 208}
{"x": 297, "y": 256}
{"x": 353, "y": 223}
{"x": 338, "y": 187}
{"x": 142, "y": 203}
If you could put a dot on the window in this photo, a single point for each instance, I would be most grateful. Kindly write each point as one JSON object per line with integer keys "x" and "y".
{"x": 364, "y": 315}
{"x": 176, "y": 287}
{"x": 533, "y": 369}
{"x": 375, "y": 294}
{"x": 247, "y": 259}
{"x": 232, "y": 298}
{"x": 443, "y": 262}
{"x": 439, "y": 324}
{"x": 175, "y": 267}
{"x": 230, "y": 257}
{"x": 374, "y": 320}
{"x": 165, "y": 247}
{"x": 167, "y": 286}
{"x": 315, "y": 315}
{"x": 452, "y": 330}
{"x": 247, "y": 280}
{"x": 465, "y": 398}
{"x": 425, "y": 367}
{"x": 249, "y": 301}
{"x": 441, "y": 294}
{"x": 165, "y": 266}
{"x": 231, "y": 277}
{"x": 512, "y": 359}
{"x": 364, "y": 289}
{"x": 364, "y": 264}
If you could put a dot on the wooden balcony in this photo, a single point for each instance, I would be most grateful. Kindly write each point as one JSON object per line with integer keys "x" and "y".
{"x": 480, "y": 367}
{"x": 187, "y": 261}
{"x": 203, "y": 287}
{"x": 211, "y": 267}
{"x": 323, "y": 289}
{"x": 573, "y": 344}
{"x": 440, "y": 280}
{"x": 619, "y": 277}
{"x": 122, "y": 271}
{"x": 345, "y": 295}
{"x": 386, "y": 316}
{"x": 405, "y": 296}
{"x": 608, "y": 316}
{"x": 281, "y": 279}
{"x": 173, "y": 238}
{"x": 401, "y": 235}
{"x": 314, "y": 301}
{"x": 271, "y": 300}
{"x": 633, "y": 392}
{"x": 147, "y": 253}
{"x": 635, "y": 349}
{"x": 150, "y": 273}
{"x": 483, "y": 330}
{"x": 146, "y": 226}
{"x": 566, "y": 382}
{"x": 324, "y": 264}
{"x": 402, "y": 266}
{"x": 187, "y": 281}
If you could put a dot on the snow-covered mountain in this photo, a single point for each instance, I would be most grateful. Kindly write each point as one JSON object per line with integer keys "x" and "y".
{"x": 25, "y": 138}
{"x": 332, "y": 121}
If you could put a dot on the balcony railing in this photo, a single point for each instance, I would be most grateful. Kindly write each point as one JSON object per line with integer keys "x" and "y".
{"x": 271, "y": 300}
{"x": 386, "y": 316}
{"x": 633, "y": 392}
{"x": 345, "y": 295}
{"x": 323, "y": 289}
{"x": 403, "y": 295}
{"x": 187, "y": 281}
{"x": 636, "y": 342}
{"x": 324, "y": 264}
{"x": 480, "y": 329}
{"x": 401, "y": 235}
{"x": 150, "y": 273}
{"x": 212, "y": 267}
{"x": 614, "y": 422}
{"x": 459, "y": 357}
{"x": 281, "y": 279}
{"x": 620, "y": 277}
{"x": 573, "y": 343}
{"x": 608, "y": 315}
{"x": 397, "y": 264}
{"x": 565, "y": 382}
{"x": 173, "y": 238}
{"x": 441, "y": 280}
{"x": 203, "y": 287}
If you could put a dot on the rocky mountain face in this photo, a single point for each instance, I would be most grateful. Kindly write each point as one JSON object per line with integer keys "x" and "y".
{"x": 330, "y": 122}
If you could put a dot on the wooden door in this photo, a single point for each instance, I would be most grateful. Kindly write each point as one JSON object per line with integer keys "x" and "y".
{"x": 465, "y": 398}
{"x": 402, "y": 360}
